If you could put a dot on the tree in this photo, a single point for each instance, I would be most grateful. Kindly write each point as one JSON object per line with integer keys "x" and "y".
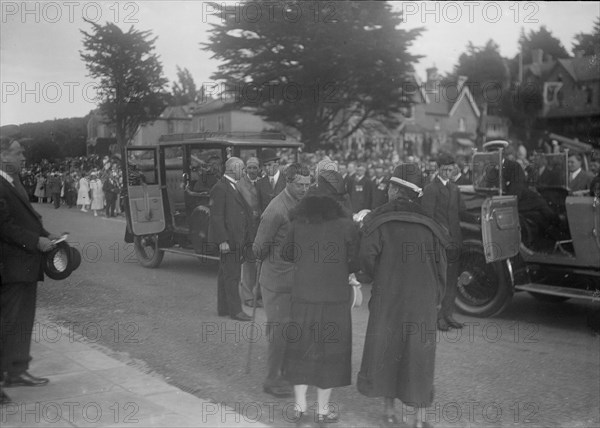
{"x": 131, "y": 82}
{"x": 588, "y": 43}
{"x": 486, "y": 71}
{"x": 544, "y": 40}
{"x": 322, "y": 68}
{"x": 185, "y": 91}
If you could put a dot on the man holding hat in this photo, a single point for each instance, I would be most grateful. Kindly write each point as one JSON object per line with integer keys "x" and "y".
{"x": 247, "y": 188}
{"x": 273, "y": 182}
{"x": 229, "y": 229}
{"x": 442, "y": 202}
{"x": 23, "y": 240}
{"x": 401, "y": 253}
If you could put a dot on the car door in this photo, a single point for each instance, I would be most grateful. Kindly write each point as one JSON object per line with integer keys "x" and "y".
{"x": 500, "y": 228}
{"x": 145, "y": 203}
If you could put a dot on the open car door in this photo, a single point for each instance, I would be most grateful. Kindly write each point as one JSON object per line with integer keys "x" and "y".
{"x": 501, "y": 231}
{"x": 146, "y": 210}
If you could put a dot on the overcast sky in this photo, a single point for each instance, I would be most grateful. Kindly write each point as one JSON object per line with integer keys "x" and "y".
{"x": 43, "y": 77}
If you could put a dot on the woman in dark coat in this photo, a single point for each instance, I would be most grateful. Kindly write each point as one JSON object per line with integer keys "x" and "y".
{"x": 323, "y": 244}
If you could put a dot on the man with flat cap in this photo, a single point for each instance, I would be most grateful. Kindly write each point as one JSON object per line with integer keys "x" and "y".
{"x": 23, "y": 240}
{"x": 273, "y": 182}
{"x": 442, "y": 202}
{"x": 229, "y": 229}
{"x": 401, "y": 253}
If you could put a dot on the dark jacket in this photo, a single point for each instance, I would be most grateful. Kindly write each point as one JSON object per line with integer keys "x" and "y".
{"x": 444, "y": 204}
{"x": 361, "y": 194}
{"x": 229, "y": 216}
{"x": 20, "y": 229}
{"x": 266, "y": 193}
{"x": 322, "y": 242}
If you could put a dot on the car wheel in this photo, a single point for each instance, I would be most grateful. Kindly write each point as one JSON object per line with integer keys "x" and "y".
{"x": 549, "y": 298}
{"x": 147, "y": 251}
{"x": 483, "y": 289}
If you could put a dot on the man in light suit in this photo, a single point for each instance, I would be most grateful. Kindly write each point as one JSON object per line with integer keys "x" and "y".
{"x": 277, "y": 275}
{"x": 442, "y": 202}
{"x": 579, "y": 180}
{"x": 247, "y": 188}
{"x": 229, "y": 228}
{"x": 273, "y": 182}
{"x": 23, "y": 240}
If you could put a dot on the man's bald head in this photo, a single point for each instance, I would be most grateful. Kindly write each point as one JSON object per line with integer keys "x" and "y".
{"x": 234, "y": 168}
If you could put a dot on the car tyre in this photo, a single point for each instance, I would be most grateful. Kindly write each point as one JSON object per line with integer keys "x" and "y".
{"x": 483, "y": 289}
{"x": 147, "y": 251}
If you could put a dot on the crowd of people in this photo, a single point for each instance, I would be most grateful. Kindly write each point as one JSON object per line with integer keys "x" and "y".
{"x": 91, "y": 183}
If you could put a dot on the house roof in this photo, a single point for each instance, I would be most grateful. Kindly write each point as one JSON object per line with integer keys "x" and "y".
{"x": 177, "y": 112}
{"x": 582, "y": 69}
{"x": 541, "y": 70}
{"x": 444, "y": 99}
{"x": 214, "y": 106}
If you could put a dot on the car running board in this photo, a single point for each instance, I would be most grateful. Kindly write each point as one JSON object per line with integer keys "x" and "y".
{"x": 575, "y": 293}
{"x": 189, "y": 253}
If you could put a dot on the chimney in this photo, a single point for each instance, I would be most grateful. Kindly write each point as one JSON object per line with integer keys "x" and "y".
{"x": 432, "y": 75}
{"x": 460, "y": 83}
{"x": 579, "y": 53}
{"x": 537, "y": 56}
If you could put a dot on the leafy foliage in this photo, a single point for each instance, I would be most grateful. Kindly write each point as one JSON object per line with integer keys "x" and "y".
{"x": 588, "y": 43}
{"x": 130, "y": 76}
{"x": 184, "y": 91}
{"x": 321, "y": 68}
{"x": 542, "y": 39}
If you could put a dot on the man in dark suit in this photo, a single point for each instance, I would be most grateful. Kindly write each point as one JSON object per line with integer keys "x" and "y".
{"x": 442, "y": 202}
{"x": 273, "y": 182}
{"x": 380, "y": 188}
{"x": 23, "y": 239}
{"x": 229, "y": 228}
{"x": 361, "y": 191}
{"x": 541, "y": 174}
{"x": 579, "y": 179}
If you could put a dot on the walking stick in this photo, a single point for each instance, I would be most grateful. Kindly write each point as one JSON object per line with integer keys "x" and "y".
{"x": 254, "y": 300}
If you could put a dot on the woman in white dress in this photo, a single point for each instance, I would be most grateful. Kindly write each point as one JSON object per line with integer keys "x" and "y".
{"x": 83, "y": 193}
{"x": 40, "y": 184}
{"x": 97, "y": 193}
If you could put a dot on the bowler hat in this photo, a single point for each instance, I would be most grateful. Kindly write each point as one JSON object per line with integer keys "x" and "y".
{"x": 268, "y": 155}
{"x": 408, "y": 175}
{"x": 61, "y": 261}
{"x": 445, "y": 159}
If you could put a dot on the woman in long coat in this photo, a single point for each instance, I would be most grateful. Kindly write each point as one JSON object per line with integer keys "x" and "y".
{"x": 322, "y": 242}
{"x": 40, "y": 185}
{"x": 97, "y": 194}
{"x": 83, "y": 193}
{"x": 402, "y": 252}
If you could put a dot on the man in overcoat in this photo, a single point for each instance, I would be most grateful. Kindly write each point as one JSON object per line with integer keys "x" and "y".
{"x": 442, "y": 202}
{"x": 402, "y": 253}
{"x": 277, "y": 275}
{"x": 229, "y": 229}
{"x": 23, "y": 240}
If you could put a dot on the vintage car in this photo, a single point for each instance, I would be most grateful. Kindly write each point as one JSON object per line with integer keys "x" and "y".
{"x": 167, "y": 189}
{"x": 505, "y": 251}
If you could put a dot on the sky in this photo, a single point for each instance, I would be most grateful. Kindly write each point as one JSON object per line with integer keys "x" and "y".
{"x": 43, "y": 78}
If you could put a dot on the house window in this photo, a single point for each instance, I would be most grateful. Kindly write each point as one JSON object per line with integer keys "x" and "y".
{"x": 461, "y": 124}
{"x": 201, "y": 124}
{"x": 589, "y": 95}
{"x": 221, "y": 123}
{"x": 170, "y": 127}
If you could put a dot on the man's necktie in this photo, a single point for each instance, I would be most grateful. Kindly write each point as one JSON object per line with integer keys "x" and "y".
{"x": 272, "y": 180}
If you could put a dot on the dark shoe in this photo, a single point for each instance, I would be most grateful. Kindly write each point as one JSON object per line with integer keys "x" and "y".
{"x": 278, "y": 391}
{"x": 24, "y": 379}
{"x": 4, "y": 399}
{"x": 453, "y": 323}
{"x": 304, "y": 420}
{"x": 250, "y": 303}
{"x": 443, "y": 325}
{"x": 330, "y": 418}
{"x": 242, "y": 316}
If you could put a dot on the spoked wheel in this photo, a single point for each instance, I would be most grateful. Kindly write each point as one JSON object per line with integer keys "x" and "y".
{"x": 147, "y": 251}
{"x": 483, "y": 289}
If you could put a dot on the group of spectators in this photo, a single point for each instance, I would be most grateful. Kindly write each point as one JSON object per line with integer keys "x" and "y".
{"x": 91, "y": 182}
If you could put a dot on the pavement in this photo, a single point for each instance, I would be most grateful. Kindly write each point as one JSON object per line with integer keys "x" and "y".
{"x": 89, "y": 388}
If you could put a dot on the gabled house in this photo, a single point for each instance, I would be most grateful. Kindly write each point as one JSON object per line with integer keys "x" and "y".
{"x": 443, "y": 115}
{"x": 223, "y": 116}
{"x": 571, "y": 94}
{"x": 173, "y": 120}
